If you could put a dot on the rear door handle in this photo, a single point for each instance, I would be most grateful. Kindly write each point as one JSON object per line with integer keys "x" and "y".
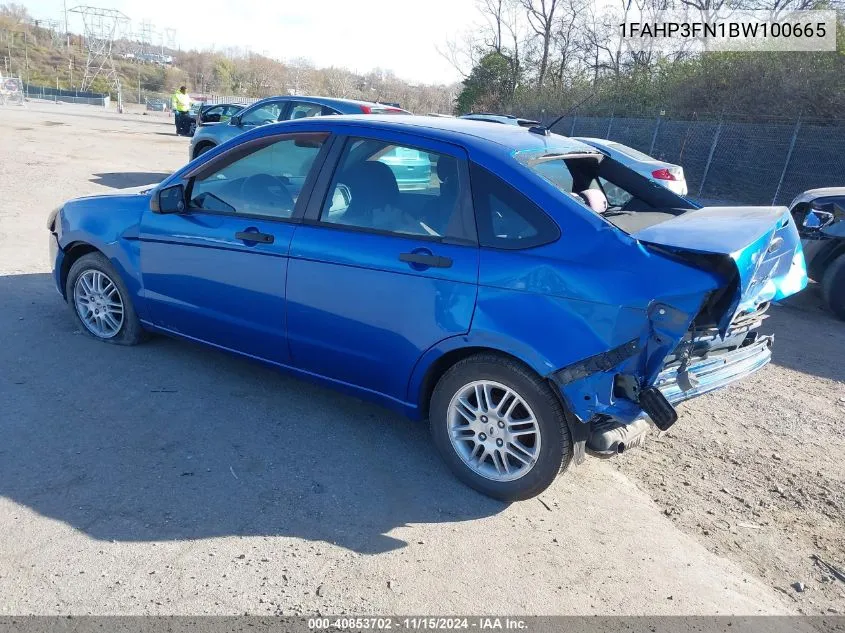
{"x": 421, "y": 259}
{"x": 255, "y": 236}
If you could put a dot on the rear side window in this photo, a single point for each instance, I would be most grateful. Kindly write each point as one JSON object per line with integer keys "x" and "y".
{"x": 506, "y": 218}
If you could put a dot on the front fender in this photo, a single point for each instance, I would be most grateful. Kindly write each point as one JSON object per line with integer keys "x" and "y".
{"x": 110, "y": 225}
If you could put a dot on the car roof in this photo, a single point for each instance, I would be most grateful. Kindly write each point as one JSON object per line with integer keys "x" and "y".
{"x": 499, "y": 118}
{"x": 456, "y": 130}
{"x": 824, "y": 191}
{"x": 327, "y": 101}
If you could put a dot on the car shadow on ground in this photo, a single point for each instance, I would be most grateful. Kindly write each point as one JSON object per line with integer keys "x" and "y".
{"x": 808, "y": 337}
{"x": 129, "y": 179}
{"x": 172, "y": 441}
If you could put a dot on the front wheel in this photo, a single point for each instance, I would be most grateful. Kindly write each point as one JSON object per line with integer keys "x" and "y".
{"x": 202, "y": 149}
{"x": 833, "y": 286}
{"x": 100, "y": 301}
{"x": 499, "y": 427}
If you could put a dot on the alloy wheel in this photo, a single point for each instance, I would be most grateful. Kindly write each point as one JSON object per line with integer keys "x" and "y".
{"x": 98, "y": 303}
{"x": 493, "y": 430}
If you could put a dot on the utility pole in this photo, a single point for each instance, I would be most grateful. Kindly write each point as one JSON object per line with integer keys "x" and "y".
{"x": 26, "y": 54}
{"x": 67, "y": 30}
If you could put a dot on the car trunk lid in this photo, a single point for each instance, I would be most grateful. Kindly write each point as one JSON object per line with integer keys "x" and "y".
{"x": 761, "y": 242}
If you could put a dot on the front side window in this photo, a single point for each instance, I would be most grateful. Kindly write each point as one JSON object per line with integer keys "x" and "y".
{"x": 267, "y": 113}
{"x": 398, "y": 189}
{"x": 266, "y": 182}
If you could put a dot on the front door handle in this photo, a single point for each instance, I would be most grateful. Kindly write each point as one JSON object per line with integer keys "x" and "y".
{"x": 255, "y": 236}
{"x": 421, "y": 259}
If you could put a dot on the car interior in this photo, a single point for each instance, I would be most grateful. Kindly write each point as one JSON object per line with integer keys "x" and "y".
{"x": 266, "y": 182}
{"x": 368, "y": 193}
{"x": 626, "y": 199}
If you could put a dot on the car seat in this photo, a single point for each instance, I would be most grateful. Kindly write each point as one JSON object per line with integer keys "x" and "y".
{"x": 372, "y": 185}
{"x": 440, "y": 210}
{"x": 595, "y": 199}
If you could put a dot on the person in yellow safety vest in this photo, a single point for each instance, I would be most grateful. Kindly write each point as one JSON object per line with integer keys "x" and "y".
{"x": 180, "y": 103}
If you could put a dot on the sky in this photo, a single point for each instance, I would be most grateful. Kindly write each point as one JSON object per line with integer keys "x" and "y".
{"x": 397, "y": 35}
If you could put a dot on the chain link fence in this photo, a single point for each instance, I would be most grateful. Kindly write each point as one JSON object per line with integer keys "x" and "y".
{"x": 65, "y": 96}
{"x": 733, "y": 160}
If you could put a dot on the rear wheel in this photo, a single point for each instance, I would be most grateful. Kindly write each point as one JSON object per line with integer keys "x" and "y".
{"x": 833, "y": 286}
{"x": 499, "y": 427}
{"x": 100, "y": 301}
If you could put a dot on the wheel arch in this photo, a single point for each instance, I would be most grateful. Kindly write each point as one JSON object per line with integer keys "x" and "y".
{"x": 820, "y": 265}
{"x": 201, "y": 147}
{"x": 437, "y": 361}
{"x": 73, "y": 252}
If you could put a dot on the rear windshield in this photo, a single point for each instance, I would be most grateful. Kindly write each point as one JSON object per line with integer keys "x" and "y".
{"x": 608, "y": 188}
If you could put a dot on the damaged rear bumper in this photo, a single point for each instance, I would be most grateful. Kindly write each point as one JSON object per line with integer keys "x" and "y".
{"x": 715, "y": 371}
{"x": 623, "y": 423}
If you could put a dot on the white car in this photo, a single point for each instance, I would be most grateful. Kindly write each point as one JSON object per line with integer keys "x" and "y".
{"x": 669, "y": 175}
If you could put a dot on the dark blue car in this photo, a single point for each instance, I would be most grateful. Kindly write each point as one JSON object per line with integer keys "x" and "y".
{"x": 535, "y": 300}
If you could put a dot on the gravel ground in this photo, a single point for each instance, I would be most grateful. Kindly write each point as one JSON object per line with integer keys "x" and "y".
{"x": 170, "y": 478}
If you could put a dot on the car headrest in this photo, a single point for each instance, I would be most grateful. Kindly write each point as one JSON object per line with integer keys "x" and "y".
{"x": 595, "y": 199}
{"x": 372, "y": 185}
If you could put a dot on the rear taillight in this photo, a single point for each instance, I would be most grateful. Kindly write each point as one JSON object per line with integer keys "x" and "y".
{"x": 664, "y": 174}
{"x": 366, "y": 109}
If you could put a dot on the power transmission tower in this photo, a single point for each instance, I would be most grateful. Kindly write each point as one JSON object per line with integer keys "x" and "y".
{"x": 146, "y": 38}
{"x": 56, "y": 35}
{"x": 100, "y": 26}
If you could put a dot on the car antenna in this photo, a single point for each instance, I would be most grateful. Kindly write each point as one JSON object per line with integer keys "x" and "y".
{"x": 546, "y": 130}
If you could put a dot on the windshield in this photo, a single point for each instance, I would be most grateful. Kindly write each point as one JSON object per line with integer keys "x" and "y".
{"x": 625, "y": 198}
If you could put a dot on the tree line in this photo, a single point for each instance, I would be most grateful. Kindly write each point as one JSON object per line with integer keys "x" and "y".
{"x": 542, "y": 58}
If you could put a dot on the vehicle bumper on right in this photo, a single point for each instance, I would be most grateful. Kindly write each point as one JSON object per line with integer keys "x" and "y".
{"x": 679, "y": 383}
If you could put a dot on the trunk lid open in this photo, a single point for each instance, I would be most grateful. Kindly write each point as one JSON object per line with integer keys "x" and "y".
{"x": 762, "y": 242}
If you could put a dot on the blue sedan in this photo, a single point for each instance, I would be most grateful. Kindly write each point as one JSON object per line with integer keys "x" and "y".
{"x": 533, "y": 299}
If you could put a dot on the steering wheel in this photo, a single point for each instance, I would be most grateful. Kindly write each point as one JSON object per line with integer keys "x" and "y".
{"x": 266, "y": 193}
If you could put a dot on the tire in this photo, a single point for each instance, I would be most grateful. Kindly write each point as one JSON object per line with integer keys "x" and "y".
{"x": 833, "y": 286}
{"x": 202, "y": 149}
{"x": 550, "y": 430}
{"x": 94, "y": 270}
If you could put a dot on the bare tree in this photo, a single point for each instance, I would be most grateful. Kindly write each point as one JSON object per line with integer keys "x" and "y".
{"x": 541, "y": 18}
{"x": 337, "y": 82}
{"x": 461, "y": 52}
{"x": 567, "y": 26}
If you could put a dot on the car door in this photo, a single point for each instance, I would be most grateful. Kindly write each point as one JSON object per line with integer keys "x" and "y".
{"x": 377, "y": 275}
{"x": 216, "y": 272}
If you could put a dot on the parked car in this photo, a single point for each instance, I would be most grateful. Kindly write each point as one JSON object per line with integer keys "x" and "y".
{"x": 820, "y": 216}
{"x": 506, "y": 119}
{"x": 211, "y": 114}
{"x": 669, "y": 175}
{"x": 283, "y": 108}
{"x": 524, "y": 310}
{"x": 156, "y": 105}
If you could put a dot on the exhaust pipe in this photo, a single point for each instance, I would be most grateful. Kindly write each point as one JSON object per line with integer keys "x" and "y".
{"x": 609, "y": 437}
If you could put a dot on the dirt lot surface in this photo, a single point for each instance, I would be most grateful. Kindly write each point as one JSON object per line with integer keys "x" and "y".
{"x": 170, "y": 478}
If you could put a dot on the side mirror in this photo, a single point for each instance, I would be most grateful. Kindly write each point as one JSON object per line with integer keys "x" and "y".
{"x": 235, "y": 120}
{"x": 817, "y": 219}
{"x": 169, "y": 200}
